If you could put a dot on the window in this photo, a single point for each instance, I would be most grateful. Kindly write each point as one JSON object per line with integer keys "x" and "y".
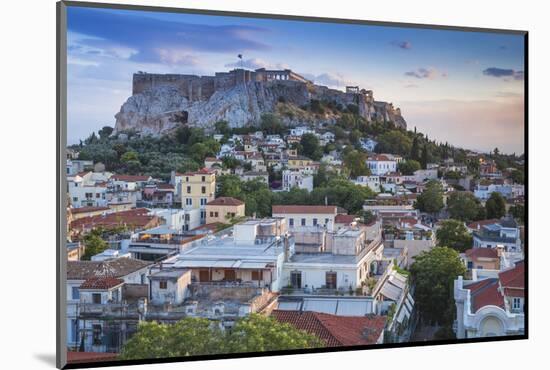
{"x": 296, "y": 279}
{"x": 215, "y": 214}
{"x": 188, "y": 190}
{"x": 163, "y": 284}
{"x": 303, "y": 222}
{"x": 330, "y": 280}
{"x": 96, "y": 298}
{"x": 314, "y": 222}
{"x": 75, "y": 293}
{"x": 75, "y": 199}
{"x": 96, "y": 334}
{"x": 187, "y": 179}
{"x": 211, "y": 214}
{"x": 74, "y": 329}
{"x": 188, "y": 201}
{"x": 326, "y": 221}
{"x": 97, "y": 195}
{"x": 470, "y": 265}
{"x": 203, "y": 189}
{"x": 291, "y": 221}
{"x": 142, "y": 278}
{"x": 203, "y": 201}
{"x": 516, "y": 304}
{"x": 203, "y": 178}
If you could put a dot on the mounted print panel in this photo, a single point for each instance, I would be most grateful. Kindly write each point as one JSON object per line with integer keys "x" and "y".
{"x": 235, "y": 185}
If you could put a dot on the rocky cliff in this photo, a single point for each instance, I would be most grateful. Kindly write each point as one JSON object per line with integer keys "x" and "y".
{"x": 161, "y": 108}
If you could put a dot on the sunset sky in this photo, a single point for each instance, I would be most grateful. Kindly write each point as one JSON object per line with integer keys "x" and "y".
{"x": 462, "y": 87}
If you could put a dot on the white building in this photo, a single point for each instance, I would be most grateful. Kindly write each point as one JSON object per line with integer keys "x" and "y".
{"x": 483, "y": 192}
{"x": 179, "y": 219}
{"x": 298, "y": 216}
{"x": 381, "y": 164}
{"x": 491, "y": 306}
{"x": 372, "y": 182}
{"x": 252, "y": 253}
{"x": 503, "y": 233}
{"x": 297, "y": 179}
{"x": 88, "y": 189}
{"x": 117, "y": 270}
{"x": 301, "y": 130}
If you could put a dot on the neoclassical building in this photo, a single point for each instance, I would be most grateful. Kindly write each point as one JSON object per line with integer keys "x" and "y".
{"x": 491, "y": 306}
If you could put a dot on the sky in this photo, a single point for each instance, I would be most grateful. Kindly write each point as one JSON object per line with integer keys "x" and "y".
{"x": 466, "y": 88}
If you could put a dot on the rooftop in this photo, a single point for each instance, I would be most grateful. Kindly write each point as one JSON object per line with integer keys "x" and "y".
{"x": 485, "y": 293}
{"x": 303, "y": 209}
{"x": 225, "y": 201}
{"x": 335, "y": 330}
{"x": 118, "y": 267}
{"x": 101, "y": 283}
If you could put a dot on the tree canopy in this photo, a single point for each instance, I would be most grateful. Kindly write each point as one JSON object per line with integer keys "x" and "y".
{"x": 431, "y": 199}
{"x": 464, "y": 206}
{"x": 199, "y": 336}
{"x": 495, "y": 206}
{"x": 453, "y": 234}
{"x": 433, "y": 273}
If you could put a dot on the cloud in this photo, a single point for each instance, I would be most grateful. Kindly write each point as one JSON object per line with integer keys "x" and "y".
{"x": 256, "y": 63}
{"x": 411, "y": 86}
{"x": 508, "y": 94}
{"x": 406, "y": 45}
{"x": 429, "y": 73}
{"x": 152, "y": 40}
{"x": 504, "y": 73}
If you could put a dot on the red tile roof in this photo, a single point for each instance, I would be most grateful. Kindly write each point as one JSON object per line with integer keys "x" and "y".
{"x": 89, "y": 209}
{"x": 225, "y": 201}
{"x": 485, "y": 293}
{"x": 513, "y": 280}
{"x": 85, "y": 357}
{"x": 475, "y": 253}
{"x": 344, "y": 219}
{"x": 304, "y": 209}
{"x": 134, "y": 218}
{"x": 102, "y": 282}
{"x": 335, "y": 330}
{"x": 474, "y": 225}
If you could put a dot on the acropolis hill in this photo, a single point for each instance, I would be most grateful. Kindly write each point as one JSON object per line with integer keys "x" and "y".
{"x": 160, "y": 102}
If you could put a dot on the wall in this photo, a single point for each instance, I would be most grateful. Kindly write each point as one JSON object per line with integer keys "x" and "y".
{"x": 222, "y": 211}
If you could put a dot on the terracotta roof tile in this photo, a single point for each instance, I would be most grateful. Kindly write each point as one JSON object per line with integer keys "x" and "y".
{"x": 482, "y": 253}
{"x": 335, "y": 330}
{"x": 101, "y": 282}
{"x": 485, "y": 293}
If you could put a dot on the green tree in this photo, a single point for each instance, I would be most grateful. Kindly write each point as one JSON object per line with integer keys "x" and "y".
{"x": 356, "y": 162}
{"x": 464, "y": 206}
{"x": 424, "y": 157}
{"x": 415, "y": 150}
{"x": 409, "y": 167}
{"x": 271, "y": 124}
{"x": 518, "y": 176}
{"x": 198, "y": 336}
{"x": 310, "y": 146}
{"x": 105, "y": 132}
{"x": 222, "y": 127}
{"x": 431, "y": 199}
{"x": 518, "y": 212}
{"x": 257, "y": 333}
{"x": 453, "y": 234}
{"x": 129, "y": 156}
{"x": 495, "y": 206}
{"x": 93, "y": 243}
{"x": 394, "y": 141}
{"x": 433, "y": 273}
{"x": 188, "y": 337}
